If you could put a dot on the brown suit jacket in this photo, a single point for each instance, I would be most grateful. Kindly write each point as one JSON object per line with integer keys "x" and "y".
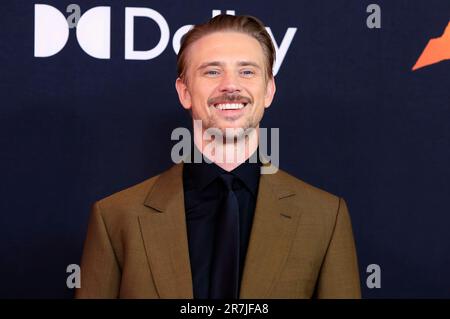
{"x": 301, "y": 243}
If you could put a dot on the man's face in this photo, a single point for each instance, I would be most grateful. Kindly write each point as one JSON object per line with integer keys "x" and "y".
{"x": 226, "y": 81}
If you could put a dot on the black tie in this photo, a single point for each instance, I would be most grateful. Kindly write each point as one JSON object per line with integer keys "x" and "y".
{"x": 225, "y": 266}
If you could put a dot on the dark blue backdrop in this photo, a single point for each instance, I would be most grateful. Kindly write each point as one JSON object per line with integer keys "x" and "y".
{"x": 353, "y": 118}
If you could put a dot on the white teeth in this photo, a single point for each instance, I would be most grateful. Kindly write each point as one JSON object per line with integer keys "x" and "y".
{"x": 230, "y": 106}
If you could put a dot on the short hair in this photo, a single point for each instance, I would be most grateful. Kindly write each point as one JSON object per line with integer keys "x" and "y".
{"x": 245, "y": 24}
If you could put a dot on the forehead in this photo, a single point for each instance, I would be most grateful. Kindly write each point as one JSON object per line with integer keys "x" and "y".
{"x": 226, "y": 47}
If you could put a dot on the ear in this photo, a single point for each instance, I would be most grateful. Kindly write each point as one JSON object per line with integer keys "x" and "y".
{"x": 183, "y": 93}
{"x": 270, "y": 92}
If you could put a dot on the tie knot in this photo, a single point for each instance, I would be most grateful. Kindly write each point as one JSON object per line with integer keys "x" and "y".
{"x": 227, "y": 180}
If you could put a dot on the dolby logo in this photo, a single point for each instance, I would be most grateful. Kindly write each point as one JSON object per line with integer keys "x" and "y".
{"x": 93, "y": 33}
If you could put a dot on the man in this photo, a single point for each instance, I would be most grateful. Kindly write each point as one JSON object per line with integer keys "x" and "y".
{"x": 221, "y": 229}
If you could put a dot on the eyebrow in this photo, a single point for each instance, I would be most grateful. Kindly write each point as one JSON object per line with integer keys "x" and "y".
{"x": 221, "y": 64}
{"x": 249, "y": 63}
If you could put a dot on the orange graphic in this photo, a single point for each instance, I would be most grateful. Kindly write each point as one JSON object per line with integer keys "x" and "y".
{"x": 437, "y": 50}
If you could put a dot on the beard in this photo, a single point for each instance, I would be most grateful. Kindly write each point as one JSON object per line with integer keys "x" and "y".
{"x": 225, "y": 126}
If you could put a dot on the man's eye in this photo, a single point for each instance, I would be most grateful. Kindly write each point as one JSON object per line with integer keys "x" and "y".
{"x": 247, "y": 72}
{"x": 212, "y": 72}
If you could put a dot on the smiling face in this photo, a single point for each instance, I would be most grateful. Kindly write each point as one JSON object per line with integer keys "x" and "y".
{"x": 226, "y": 83}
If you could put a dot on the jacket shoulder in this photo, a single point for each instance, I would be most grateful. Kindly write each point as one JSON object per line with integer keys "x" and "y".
{"x": 128, "y": 200}
{"x": 311, "y": 198}
{"x": 298, "y": 184}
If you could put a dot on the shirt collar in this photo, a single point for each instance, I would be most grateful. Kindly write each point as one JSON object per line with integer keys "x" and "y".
{"x": 200, "y": 175}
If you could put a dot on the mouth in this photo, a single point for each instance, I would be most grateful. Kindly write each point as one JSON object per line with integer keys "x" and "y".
{"x": 229, "y": 106}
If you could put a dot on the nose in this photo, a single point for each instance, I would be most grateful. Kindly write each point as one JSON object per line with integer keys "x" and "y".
{"x": 229, "y": 83}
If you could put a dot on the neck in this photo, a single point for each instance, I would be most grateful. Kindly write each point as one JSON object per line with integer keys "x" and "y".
{"x": 226, "y": 153}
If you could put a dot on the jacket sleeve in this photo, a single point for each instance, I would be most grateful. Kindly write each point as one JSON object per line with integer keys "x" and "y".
{"x": 100, "y": 271}
{"x": 339, "y": 274}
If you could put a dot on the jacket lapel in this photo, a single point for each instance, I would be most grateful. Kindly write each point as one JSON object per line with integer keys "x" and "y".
{"x": 274, "y": 225}
{"x": 165, "y": 236}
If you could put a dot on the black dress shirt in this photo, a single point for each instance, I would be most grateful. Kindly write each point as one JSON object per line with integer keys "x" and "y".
{"x": 202, "y": 196}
